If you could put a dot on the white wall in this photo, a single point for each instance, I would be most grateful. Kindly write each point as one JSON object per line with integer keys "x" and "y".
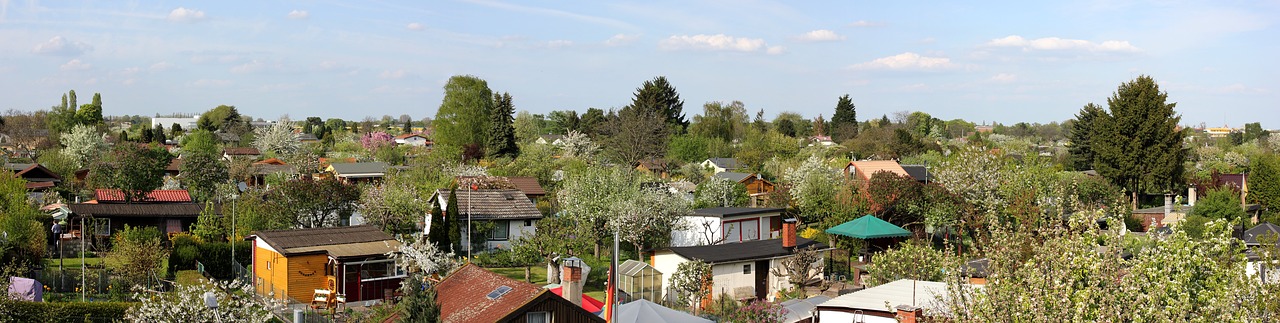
{"x": 728, "y": 277}
{"x": 695, "y": 234}
{"x": 515, "y": 230}
{"x": 666, "y": 263}
{"x": 834, "y": 316}
{"x": 412, "y": 141}
{"x": 188, "y": 124}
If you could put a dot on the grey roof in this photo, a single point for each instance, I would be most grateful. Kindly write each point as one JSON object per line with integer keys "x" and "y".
{"x": 264, "y": 169}
{"x": 801, "y": 309}
{"x": 726, "y": 163}
{"x": 644, "y": 311}
{"x": 978, "y": 268}
{"x": 735, "y": 211}
{"x": 18, "y": 167}
{"x": 1251, "y": 236}
{"x": 493, "y": 204}
{"x": 349, "y": 169}
{"x": 918, "y": 172}
{"x": 741, "y": 251}
{"x": 227, "y": 136}
{"x": 732, "y": 176}
{"x": 284, "y": 240}
{"x": 923, "y": 294}
{"x": 307, "y": 137}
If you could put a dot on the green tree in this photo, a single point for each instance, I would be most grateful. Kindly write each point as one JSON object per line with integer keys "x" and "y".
{"x": 592, "y": 121}
{"x": 393, "y": 207}
{"x": 439, "y": 232}
{"x": 464, "y": 112}
{"x": 453, "y": 219}
{"x": 1221, "y": 203}
{"x": 63, "y": 117}
{"x": 501, "y": 133}
{"x": 844, "y": 123}
{"x": 20, "y": 221}
{"x": 718, "y": 120}
{"x": 157, "y": 134}
{"x": 84, "y": 144}
{"x": 315, "y": 203}
{"x": 554, "y": 237}
{"x": 636, "y": 133}
{"x": 89, "y": 114}
{"x": 139, "y": 256}
{"x": 202, "y": 166}
{"x": 1264, "y": 181}
{"x": 562, "y": 121}
{"x": 1137, "y": 145}
{"x": 1081, "y": 137}
{"x": 209, "y": 227}
{"x": 133, "y": 169}
{"x": 419, "y": 303}
{"x": 660, "y": 97}
{"x": 223, "y": 118}
{"x": 720, "y": 192}
{"x": 691, "y": 283}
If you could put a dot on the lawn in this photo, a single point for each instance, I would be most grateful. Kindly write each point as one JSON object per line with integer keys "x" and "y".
{"x": 539, "y": 276}
{"x": 72, "y": 262}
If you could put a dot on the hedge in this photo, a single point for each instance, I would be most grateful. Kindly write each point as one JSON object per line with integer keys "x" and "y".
{"x": 15, "y": 311}
{"x": 216, "y": 256}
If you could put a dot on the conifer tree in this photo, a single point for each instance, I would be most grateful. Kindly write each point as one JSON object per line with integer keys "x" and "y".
{"x": 1081, "y": 137}
{"x": 502, "y": 133}
{"x": 1137, "y": 144}
{"x": 844, "y": 123}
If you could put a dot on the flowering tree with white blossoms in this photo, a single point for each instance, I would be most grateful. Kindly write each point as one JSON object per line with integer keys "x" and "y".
{"x": 186, "y": 303}
{"x": 577, "y": 145}
{"x": 278, "y": 138}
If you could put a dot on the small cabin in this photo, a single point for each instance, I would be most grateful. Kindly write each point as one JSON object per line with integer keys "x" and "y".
{"x": 351, "y": 262}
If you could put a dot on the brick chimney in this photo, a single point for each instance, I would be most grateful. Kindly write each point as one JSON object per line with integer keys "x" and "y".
{"x": 789, "y": 233}
{"x": 571, "y": 280}
{"x": 910, "y": 314}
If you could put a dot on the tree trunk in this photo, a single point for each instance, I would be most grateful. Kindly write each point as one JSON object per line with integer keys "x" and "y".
{"x": 527, "y": 274}
{"x": 597, "y": 250}
{"x": 1133, "y": 200}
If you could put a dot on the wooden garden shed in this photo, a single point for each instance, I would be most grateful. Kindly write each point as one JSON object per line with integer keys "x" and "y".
{"x": 349, "y": 261}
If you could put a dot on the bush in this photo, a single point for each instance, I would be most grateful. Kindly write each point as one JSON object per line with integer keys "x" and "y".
{"x": 500, "y": 258}
{"x": 14, "y": 311}
{"x": 216, "y": 256}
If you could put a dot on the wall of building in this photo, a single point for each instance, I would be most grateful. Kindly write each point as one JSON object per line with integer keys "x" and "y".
{"x": 515, "y": 230}
{"x": 306, "y": 275}
{"x": 728, "y": 279}
{"x": 695, "y": 234}
{"x": 841, "y": 316}
{"x": 270, "y": 271}
{"x": 666, "y": 263}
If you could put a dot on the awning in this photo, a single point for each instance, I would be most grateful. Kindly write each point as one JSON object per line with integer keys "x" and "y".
{"x": 869, "y": 227}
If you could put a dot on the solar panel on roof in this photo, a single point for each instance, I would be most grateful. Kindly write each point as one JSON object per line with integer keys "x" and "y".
{"x": 497, "y": 293}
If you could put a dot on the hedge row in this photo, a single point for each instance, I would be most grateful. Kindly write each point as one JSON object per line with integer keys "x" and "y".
{"x": 216, "y": 256}
{"x": 15, "y": 311}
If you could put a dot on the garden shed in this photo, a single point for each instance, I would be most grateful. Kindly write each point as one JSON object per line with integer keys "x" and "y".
{"x": 640, "y": 280}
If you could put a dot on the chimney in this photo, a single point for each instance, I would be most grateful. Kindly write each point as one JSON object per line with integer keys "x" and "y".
{"x": 910, "y": 314}
{"x": 789, "y": 233}
{"x": 571, "y": 280}
{"x": 1191, "y": 196}
{"x": 1168, "y": 204}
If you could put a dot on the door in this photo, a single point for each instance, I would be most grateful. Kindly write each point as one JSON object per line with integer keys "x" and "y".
{"x": 762, "y": 279}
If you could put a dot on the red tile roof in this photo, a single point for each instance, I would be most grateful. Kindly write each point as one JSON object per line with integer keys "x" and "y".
{"x": 241, "y": 151}
{"x": 157, "y": 196}
{"x": 464, "y": 295}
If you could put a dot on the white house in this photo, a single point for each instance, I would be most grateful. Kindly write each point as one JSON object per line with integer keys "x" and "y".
{"x": 728, "y": 224}
{"x": 912, "y": 300}
{"x": 739, "y": 270}
{"x": 512, "y": 214}
{"x": 721, "y": 164}
{"x": 412, "y": 139}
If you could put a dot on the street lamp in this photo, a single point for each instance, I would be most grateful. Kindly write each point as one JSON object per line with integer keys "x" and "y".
{"x": 469, "y": 235}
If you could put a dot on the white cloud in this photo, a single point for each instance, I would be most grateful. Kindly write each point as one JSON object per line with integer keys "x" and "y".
{"x": 718, "y": 42}
{"x": 775, "y": 50}
{"x": 58, "y": 46}
{"x": 559, "y": 43}
{"x": 250, "y": 67}
{"x": 1003, "y": 78}
{"x": 864, "y": 23}
{"x": 393, "y": 75}
{"x": 161, "y": 66}
{"x": 299, "y": 14}
{"x": 75, "y": 65}
{"x": 621, "y": 39}
{"x": 1063, "y": 44}
{"x": 906, "y": 61}
{"x": 415, "y": 26}
{"x": 185, "y": 15}
{"x": 820, "y": 35}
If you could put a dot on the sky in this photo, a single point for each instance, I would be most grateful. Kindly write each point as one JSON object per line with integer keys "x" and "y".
{"x": 986, "y": 61}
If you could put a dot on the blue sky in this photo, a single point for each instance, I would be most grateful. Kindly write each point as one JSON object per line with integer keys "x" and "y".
{"x": 991, "y": 61}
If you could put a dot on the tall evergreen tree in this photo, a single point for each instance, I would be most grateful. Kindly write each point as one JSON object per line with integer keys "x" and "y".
{"x": 157, "y": 134}
{"x": 844, "y": 123}
{"x": 1081, "y": 137}
{"x": 1137, "y": 145}
{"x": 147, "y": 135}
{"x": 453, "y": 219}
{"x": 658, "y": 95}
{"x": 884, "y": 120}
{"x": 439, "y": 232}
{"x": 502, "y": 131}
{"x": 408, "y": 127}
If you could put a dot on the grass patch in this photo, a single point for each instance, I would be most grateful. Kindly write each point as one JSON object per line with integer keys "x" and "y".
{"x": 72, "y": 262}
{"x": 189, "y": 277}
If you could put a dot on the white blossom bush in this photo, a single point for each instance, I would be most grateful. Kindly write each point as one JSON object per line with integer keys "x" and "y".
{"x": 421, "y": 256}
{"x": 278, "y": 138}
{"x": 83, "y": 144}
{"x": 577, "y": 145}
{"x": 812, "y": 185}
{"x": 186, "y": 303}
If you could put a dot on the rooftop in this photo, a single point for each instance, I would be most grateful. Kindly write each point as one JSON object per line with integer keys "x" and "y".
{"x": 735, "y": 211}
{"x": 241, "y": 151}
{"x": 477, "y": 295}
{"x": 919, "y": 293}
{"x": 357, "y": 169}
{"x": 870, "y": 167}
{"x": 490, "y": 204}
{"x": 750, "y": 250}
{"x": 141, "y": 210}
{"x": 156, "y": 196}
{"x": 337, "y": 241}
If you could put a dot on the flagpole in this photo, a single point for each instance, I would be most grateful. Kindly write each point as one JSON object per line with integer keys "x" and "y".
{"x": 613, "y": 280}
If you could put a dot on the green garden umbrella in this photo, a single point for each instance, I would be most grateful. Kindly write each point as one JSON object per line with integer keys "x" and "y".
{"x": 869, "y": 227}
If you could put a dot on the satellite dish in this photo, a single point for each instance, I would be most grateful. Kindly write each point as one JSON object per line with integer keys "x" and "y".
{"x": 242, "y": 186}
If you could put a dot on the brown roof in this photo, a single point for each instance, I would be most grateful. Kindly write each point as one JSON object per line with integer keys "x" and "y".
{"x": 314, "y": 240}
{"x": 241, "y": 151}
{"x": 466, "y": 295}
{"x": 270, "y": 161}
{"x": 175, "y": 165}
{"x": 140, "y": 210}
{"x": 490, "y": 204}
{"x": 870, "y": 167}
{"x": 528, "y": 185}
{"x": 407, "y": 135}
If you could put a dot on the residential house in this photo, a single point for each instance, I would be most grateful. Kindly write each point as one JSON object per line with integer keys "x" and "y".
{"x": 824, "y": 141}
{"x": 758, "y": 188}
{"x": 728, "y": 224}
{"x": 529, "y": 185}
{"x": 351, "y": 261}
{"x": 862, "y": 170}
{"x": 902, "y": 300}
{"x": 1266, "y": 270}
{"x": 740, "y": 270}
{"x": 657, "y": 167}
{"x": 232, "y": 153}
{"x": 919, "y": 172}
{"x": 174, "y": 168}
{"x": 550, "y": 139}
{"x": 511, "y": 213}
{"x": 478, "y": 295}
{"x": 412, "y": 139}
{"x": 270, "y": 167}
{"x": 358, "y": 172}
{"x": 719, "y": 165}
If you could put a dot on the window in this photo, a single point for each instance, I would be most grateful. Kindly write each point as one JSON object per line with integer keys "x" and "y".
{"x": 376, "y": 270}
{"x": 500, "y": 231}
{"x": 746, "y": 269}
{"x": 528, "y": 222}
{"x": 268, "y": 265}
{"x": 538, "y": 317}
{"x": 102, "y": 227}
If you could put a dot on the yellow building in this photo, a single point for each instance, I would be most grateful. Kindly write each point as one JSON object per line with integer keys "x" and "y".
{"x": 351, "y": 261}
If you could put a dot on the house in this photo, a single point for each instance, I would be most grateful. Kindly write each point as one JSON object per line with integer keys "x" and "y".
{"x": 351, "y": 261}
{"x": 1154, "y": 217}
{"x": 174, "y": 168}
{"x": 757, "y": 187}
{"x": 911, "y": 301}
{"x": 358, "y": 172}
{"x": 1252, "y": 235}
{"x": 919, "y": 172}
{"x": 740, "y": 270}
{"x": 269, "y": 167}
{"x": 824, "y": 141}
{"x": 550, "y": 139}
{"x": 103, "y": 196}
{"x": 529, "y": 185}
{"x": 654, "y": 166}
{"x": 977, "y": 271}
{"x": 104, "y": 219}
{"x": 478, "y": 295}
{"x": 231, "y": 153}
{"x": 38, "y": 178}
{"x": 727, "y": 225}
{"x": 412, "y": 139}
{"x": 509, "y": 210}
{"x": 719, "y": 165}
{"x": 862, "y": 170}
{"x": 307, "y": 138}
